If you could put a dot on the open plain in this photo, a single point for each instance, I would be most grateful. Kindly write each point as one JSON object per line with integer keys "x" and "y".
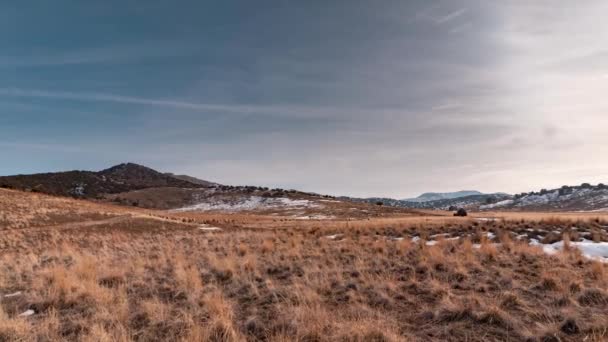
{"x": 79, "y": 270}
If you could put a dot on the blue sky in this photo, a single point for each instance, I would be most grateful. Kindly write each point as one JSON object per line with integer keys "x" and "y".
{"x": 363, "y": 98}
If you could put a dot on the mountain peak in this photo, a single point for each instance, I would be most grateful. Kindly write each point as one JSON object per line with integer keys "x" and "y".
{"x": 126, "y": 166}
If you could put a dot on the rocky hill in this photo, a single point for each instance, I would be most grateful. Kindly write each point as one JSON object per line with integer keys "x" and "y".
{"x": 584, "y": 197}
{"x": 88, "y": 184}
{"x": 468, "y": 202}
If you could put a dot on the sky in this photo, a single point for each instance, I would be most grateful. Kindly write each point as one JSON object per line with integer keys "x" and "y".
{"x": 344, "y": 97}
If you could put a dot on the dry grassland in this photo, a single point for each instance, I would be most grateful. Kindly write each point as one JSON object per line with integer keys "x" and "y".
{"x": 271, "y": 279}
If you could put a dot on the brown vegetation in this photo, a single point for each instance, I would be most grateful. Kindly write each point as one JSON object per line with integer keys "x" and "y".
{"x": 163, "y": 278}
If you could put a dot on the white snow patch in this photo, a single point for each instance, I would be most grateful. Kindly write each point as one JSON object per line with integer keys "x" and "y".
{"x": 248, "y": 203}
{"x": 486, "y": 219}
{"x": 496, "y": 205}
{"x": 428, "y": 243}
{"x": 208, "y": 228}
{"x": 434, "y": 236}
{"x": 333, "y": 237}
{"x": 18, "y": 293}
{"x": 589, "y": 249}
{"x": 27, "y": 313}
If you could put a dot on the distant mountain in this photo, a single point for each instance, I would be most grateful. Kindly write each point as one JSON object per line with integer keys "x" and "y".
{"x": 435, "y": 196}
{"x": 470, "y": 202}
{"x": 584, "y": 197}
{"x": 89, "y": 184}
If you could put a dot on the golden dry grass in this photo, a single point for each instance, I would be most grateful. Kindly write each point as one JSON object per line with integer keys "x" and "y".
{"x": 150, "y": 279}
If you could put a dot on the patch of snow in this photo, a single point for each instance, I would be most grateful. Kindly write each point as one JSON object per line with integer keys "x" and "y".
{"x": 589, "y": 249}
{"x": 428, "y": 243}
{"x": 18, "y": 293}
{"x": 248, "y": 203}
{"x": 208, "y": 228}
{"x": 333, "y": 237}
{"x": 486, "y": 219}
{"x": 538, "y": 199}
{"x": 434, "y": 236}
{"x": 490, "y": 235}
{"x": 496, "y": 205}
{"x": 27, "y": 313}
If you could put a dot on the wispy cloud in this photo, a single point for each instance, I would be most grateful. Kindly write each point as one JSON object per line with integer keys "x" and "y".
{"x": 101, "y": 97}
{"x": 461, "y": 28}
{"x": 97, "y": 55}
{"x": 450, "y": 16}
{"x": 279, "y": 110}
{"x": 39, "y": 146}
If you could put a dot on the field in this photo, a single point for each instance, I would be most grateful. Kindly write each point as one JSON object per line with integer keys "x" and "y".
{"x": 82, "y": 271}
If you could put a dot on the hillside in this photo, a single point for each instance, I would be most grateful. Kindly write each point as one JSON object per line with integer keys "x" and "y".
{"x": 191, "y": 179}
{"x": 468, "y": 202}
{"x": 88, "y": 184}
{"x": 584, "y": 197}
{"x": 436, "y": 196}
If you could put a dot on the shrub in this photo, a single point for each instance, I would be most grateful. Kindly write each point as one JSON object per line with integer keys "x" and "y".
{"x": 461, "y": 212}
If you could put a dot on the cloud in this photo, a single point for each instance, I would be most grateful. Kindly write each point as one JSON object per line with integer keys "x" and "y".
{"x": 450, "y": 16}
{"x": 108, "y": 54}
{"x": 464, "y": 94}
{"x": 178, "y": 104}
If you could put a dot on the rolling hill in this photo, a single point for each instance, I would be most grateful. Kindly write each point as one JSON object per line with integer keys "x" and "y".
{"x": 88, "y": 184}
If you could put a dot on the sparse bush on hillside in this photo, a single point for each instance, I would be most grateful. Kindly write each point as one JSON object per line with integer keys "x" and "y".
{"x": 565, "y": 190}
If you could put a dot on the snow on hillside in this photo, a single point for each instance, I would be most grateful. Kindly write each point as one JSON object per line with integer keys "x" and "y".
{"x": 496, "y": 205}
{"x": 567, "y": 198}
{"x": 249, "y": 203}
